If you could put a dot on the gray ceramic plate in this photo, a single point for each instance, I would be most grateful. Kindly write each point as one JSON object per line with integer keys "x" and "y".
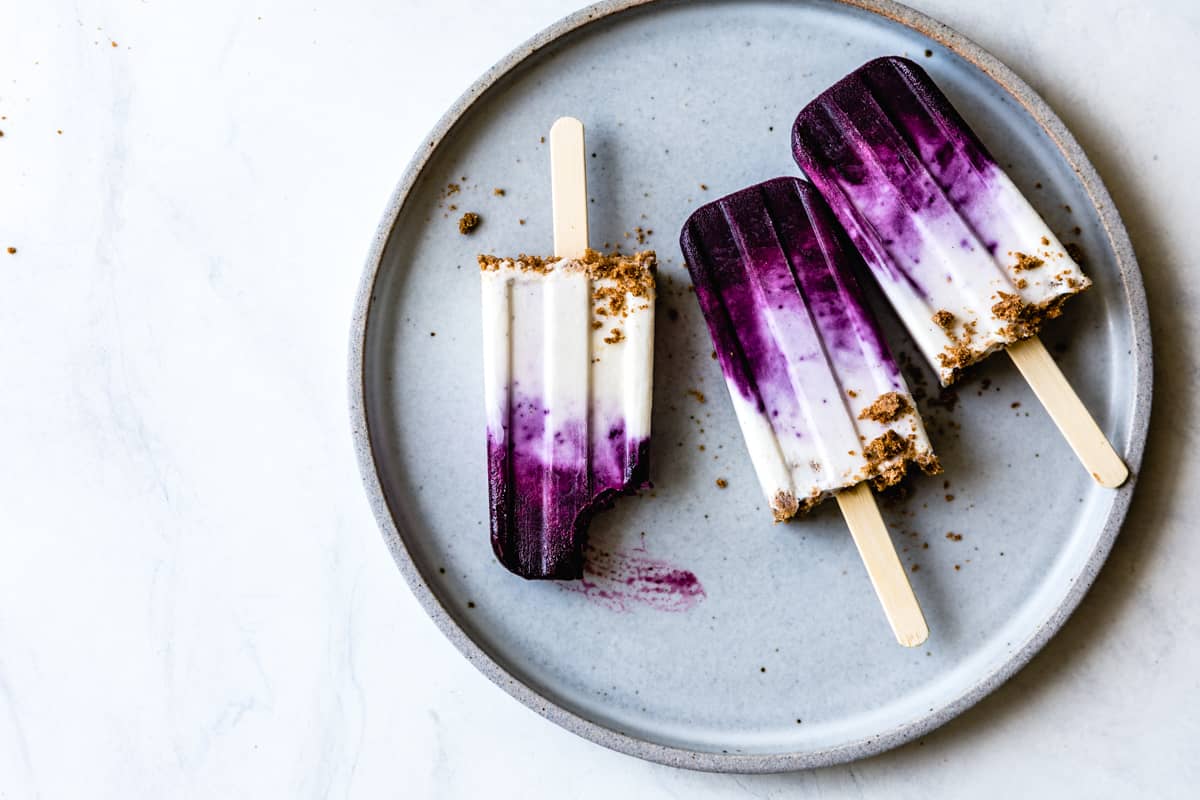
{"x": 778, "y": 657}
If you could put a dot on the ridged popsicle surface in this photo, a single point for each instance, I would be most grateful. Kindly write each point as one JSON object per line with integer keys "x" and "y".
{"x": 818, "y": 396}
{"x": 568, "y": 360}
{"x": 962, "y": 256}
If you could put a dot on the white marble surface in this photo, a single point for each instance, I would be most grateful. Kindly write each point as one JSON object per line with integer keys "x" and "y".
{"x": 194, "y": 599}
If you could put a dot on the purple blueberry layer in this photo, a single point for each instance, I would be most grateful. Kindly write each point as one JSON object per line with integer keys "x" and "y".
{"x": 887, "y": 150}
{"x": 545, "y": 486}
{"x": 777, "y": 245}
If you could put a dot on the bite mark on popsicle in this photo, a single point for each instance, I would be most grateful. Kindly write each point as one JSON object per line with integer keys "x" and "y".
{"x": 568, "y": 428}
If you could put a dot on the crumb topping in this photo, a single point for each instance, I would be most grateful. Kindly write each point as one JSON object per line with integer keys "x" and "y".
{"x": 888, "y": 456}
{"x": 523, "y": 262}
{"x": 943, "y": 319}
{"x": 887, "y": 408}
{"x": 1026, "y": 262}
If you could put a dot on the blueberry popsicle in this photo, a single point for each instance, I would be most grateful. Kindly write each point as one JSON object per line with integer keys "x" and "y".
{"x": 820, "y": 401}
{"x": 965, "y": 260}
{"x": 568, "y": 359}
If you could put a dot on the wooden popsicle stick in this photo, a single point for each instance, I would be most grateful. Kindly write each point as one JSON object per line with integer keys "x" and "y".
{"x": 1090, "y": 444}
{"x": 883, "y": 565}
{"x": 568, "y": 187}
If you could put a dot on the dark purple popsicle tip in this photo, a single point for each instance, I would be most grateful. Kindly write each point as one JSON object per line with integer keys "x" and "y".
{"x": 776, "y": 242}
{"x": 882, "y": 110}
{"x": 886, "y": 149}
{"x": 541, "y": 507}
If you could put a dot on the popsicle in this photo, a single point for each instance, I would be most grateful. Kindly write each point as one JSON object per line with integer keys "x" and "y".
{"x": 568, "y": 359}
{"x": 821, "y": 403}
{"x": 965, "y": 260}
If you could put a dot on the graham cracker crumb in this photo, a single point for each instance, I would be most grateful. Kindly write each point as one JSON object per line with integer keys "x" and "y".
{"x": 696, "y": 393}
{"x": 489, "y": 263}
{"x": 1027, "y": 262}
{"x": 954, "y": 537}
{"x": 468, "y": 222}
{"x": 498, "y": 192}
{"x": 722, "y": 483}
{"x": 892, "y": 447}
{"x": 943, "y": 319}
{"x": 784, "y": 506}
{"x": 887, "y": 408}
{"x": 615, "y": 335}
{"x": 1010, "y": 308}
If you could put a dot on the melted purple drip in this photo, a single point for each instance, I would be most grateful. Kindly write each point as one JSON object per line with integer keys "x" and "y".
{"x": 541, "y": 506}
{"x": 619, "y": 580}
{"x": 885, "y": 148}
{"x": 776, "y": 245}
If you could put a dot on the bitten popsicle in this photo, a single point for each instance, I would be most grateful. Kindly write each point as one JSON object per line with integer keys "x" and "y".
{"x": 965, "y": 260}
{"x": 820, "y": 401}
{"x": 568, "y": 359}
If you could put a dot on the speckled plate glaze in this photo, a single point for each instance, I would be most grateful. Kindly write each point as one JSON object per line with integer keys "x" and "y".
{"x": 769, "y": 651}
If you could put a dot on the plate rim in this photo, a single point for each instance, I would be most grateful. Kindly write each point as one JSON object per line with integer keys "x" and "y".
{"x": 1139, "y": 413}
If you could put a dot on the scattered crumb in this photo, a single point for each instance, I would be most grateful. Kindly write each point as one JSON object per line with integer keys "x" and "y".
{"x": 949, "y": 498}
{"x": 714, "y": 355}
{"x": 114, "y": 44}
{"x": 1016, "y": 405}
{"x": 468, "y": 222}
{"x": 541, "y": 140}
{"x": 721, "y": 484}
{"x": 433, "y": 333}
{"x": 954, "y": 537}
{"x": 957, "y": 567}
{"x": 704, "y": 187}
{"x": 498, "y": 192}
{"x": 451, "y": 190}
{"x": 520, "y": 222}
{"x": 696, "y": 393}
{"x": 929, "y": 54}
{"x": 916, "y": 567}
{"x": 470, "y": 604}
{"x": 1009, "y": 308}
{"x": 12, "y": 251}
{"x": 1045, "y": 242}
